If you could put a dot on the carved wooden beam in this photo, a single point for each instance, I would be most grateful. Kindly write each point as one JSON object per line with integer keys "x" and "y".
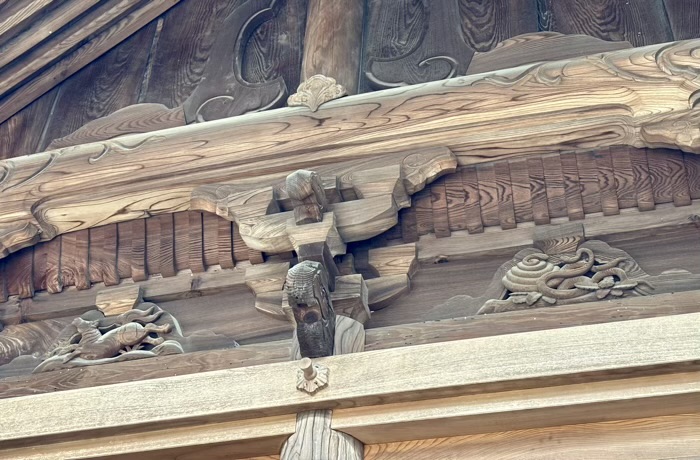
{"x": 638, "y": 97}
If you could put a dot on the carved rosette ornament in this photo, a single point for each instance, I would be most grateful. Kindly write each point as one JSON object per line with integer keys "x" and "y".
{"x": 311, "y": 377}
{"x": 315, "y": 91}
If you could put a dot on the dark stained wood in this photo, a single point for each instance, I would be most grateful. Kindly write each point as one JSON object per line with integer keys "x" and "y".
{"x": 22, "y": 133}
{"x": 554, "y": 183}
{"x": 422, "y": 203}
{"x": 642, "y": 180}
{"x": 183, "y": 47}
{"x": 472, "y": 207}
{"x": 68, "y": 258}
{"x": 225, "y": 243}
{"x": 124, "y": 249}
{"x": 182, "y": 240}
{"x": 409, "y": 225}
{"x": 400, "y": 35}
{"x": 538, "y": 191}
{"x": 488, "y": 194}
{"x": 20, "y": 279}
{"x": 520, "y": 183}
{"x": 485, "y": 23}
{"x": 82, "y": 255}
{"x": 438, "y": 195}
{"x": 684, "y": 16}
{"x": 572, "y": 186}
{"x": 456, "y": 199}
{"x": 96, "y": 254}
{"x": 167, "y": 245}
{"x": 210, "y": 235}
{"x": 692, "y": 167}
{"x": 624, "y": 177}
{"x": 606, "y": 181}
{"x": 639, "y": 22}
{"x": 138, "y": 250}
{"x": 660, "y": 173}
{"x": 679, "y": 178}
{"x": 506, "y": 209}
{"x": 106, "y": 85}
{"x": 110, "y": 273}
{"x": 54, "y": 280}
{"x": 153, "y": 245}
{"x": 196, "y": 249}
{"x": 41, "y": 252}
{"x": 588, "y": 178}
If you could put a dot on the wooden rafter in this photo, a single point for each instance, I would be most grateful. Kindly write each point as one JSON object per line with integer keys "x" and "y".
{"x": 638, "y": 97}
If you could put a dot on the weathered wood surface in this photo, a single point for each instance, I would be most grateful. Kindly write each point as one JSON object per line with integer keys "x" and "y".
{"x": 376, "y": 339}
{"x": 517, "y": 361}
{"x": 664, "y": 437}
{"x": 263, "y": 148}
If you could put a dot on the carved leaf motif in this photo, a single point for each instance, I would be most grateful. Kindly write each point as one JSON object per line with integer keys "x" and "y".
{"x": 315, "y": 91}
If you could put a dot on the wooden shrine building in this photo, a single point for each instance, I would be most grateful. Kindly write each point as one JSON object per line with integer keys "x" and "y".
{"x": 350, "y": 229}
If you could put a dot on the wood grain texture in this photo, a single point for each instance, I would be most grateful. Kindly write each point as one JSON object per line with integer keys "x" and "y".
{"x": 139, "y": 271}
{"x": 606, "y": 182}
{"x": 438, "y": 196}
{"x": 572, "y": 187}
{"x": 520, "y": 182}
{"x": 22, "y": 133}
{"x": 487, "y": 23}
{"x": 488, "y": 194}
{"x": 554, "y": 183}
{"x": 456, "y": 201}
{"x": 684, "y": 17}
{"x": 196, "y": 243}
{"x": 315, "y": 440}
{"x": 472, "y": 204}
{"x": 660, "y": 173}
{"x": 506, "y": 208}
{"x": 167, "y": 245}
{"x": 20, "y": 279}
{"x": 538, "y": 191}
{"x": 661, "y": 437}
{"x": 642, "y": 180}
{"x": 624, "y": 177}
{"x": 692, "y": 167}
{"x": 424, "y": 212}
{"x": 210, "y": 238}
{"x": 124, "y": 249}
{"x": 588, "y": 177}
{"x": 679, "y": 179}
{"x": 640, "y": 23}
{"x": 219, "y": 156}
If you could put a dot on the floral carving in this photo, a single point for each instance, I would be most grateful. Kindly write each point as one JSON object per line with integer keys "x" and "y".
{"x": 315, "y": 91}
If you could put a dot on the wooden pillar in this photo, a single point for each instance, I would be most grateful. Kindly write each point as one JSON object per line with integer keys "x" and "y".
{"x": 315, "y": 440}
{"x": 333, "y": 41}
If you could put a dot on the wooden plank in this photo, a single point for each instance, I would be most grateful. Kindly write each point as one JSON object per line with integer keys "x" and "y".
{"x": 82, "y": 256}
{"x": 624, "y": 177}
{"x": 572, "y": 187}
{"x": 181, "y": 241}
{"x": 640, "y": 23}
{"x": 606, "y": 181}
{"x": 684, "y": 18}
{"x": 20, "y": 279}
{"x": 240, "y": 250}
{"x": 86, "y": 53}
{"x": 554, "y": 181}
{"x": 422, "y": 203}
{"x": 472, "y": 204}
{"x": 484, "y": 25}
{"x": 662, "y": 437}
{"x": 588, "y": 178}
{"x": 196, "y": 249}
{"x": 210, "y": 238}
{"x": 409, "y": 225}
{"x": 506, "y": 209}
{"x": 225, "y": 243}
{"x": 660, "y": 173}
{"x": 692, "y": 168}
{"x": 40, "y": 255}
{"x": 96, "y": 258}
{"x": 167, "y": 245}
{"x": 124, "y": 249}
{"x": 508, "y": 363}
{"x": 139, "y": 271}
{"x": 679, "y": 178}
{"x": 54, "y": 280}
{"x": 68, "y": 259}
{"x": 456, "y": 201}
{"x": 488, "y": 194}
{"x": 520, "y": 181}
{"x": 3, "y": 282}
{"x": 538, "y": 191}
{"x": 642, "y": 180}
{"x": 22, "y": 133}
{"x": 110, "y": 274}
{"x": 153, "y": 256}
{"x": 438, "y": 202}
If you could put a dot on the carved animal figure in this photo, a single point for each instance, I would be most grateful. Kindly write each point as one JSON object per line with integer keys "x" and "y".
{"x": 94, "y": 345}
{"x": 307, "y": 294}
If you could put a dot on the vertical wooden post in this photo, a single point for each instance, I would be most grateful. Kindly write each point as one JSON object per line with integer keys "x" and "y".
{"x": 333, "y": 41}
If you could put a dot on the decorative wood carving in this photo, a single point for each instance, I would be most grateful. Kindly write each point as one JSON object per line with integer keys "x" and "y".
{"x": 93, "y": 339}
{"x": 311, "y": 377}
{"x": 315, "y": 91}
{"x": 223, "y": 92}
{"x": 136, "y": 180}
{"x": 308, "y": 296}
{"x": 440, "y": 52}
{"x": 308, "y": 197}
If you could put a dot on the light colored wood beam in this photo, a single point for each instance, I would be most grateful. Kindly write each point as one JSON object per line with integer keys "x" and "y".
{"x": 643, "y": 97}
{"x": 493, "y": 364}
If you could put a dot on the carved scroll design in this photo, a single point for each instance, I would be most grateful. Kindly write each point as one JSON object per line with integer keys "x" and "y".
{"x": 92, "y": 339}
{"x": 441, "y": 53}
{"x": 223, "y": 92}
{"x": 315, "y": 91}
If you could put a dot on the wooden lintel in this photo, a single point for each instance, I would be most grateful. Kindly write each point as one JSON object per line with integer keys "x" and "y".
{"x": 641, "y": 97}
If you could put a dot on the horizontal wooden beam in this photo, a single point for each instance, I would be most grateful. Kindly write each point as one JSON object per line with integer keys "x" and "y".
{"x": 404, "y": 335}
{"x": 642, "y": 97}
{"x": 464, "y": 367}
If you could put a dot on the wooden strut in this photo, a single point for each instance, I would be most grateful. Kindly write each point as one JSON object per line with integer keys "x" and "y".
{"x": 642, "y": 97}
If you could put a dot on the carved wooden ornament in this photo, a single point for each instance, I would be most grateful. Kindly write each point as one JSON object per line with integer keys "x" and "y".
{"x": 315, "y": 91}
{"x": 311, "y": 377}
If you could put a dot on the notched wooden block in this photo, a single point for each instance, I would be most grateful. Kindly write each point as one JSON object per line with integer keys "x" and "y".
{"x": 423, "y": 167}
{"x": 229, "y": 202}
{"x": 385, "y": 290}
{"x": 116, "y": 301}
{"x": 267, "y": 277}
{"x": 394, "y": 260}
{"x": 351, "y": 297}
